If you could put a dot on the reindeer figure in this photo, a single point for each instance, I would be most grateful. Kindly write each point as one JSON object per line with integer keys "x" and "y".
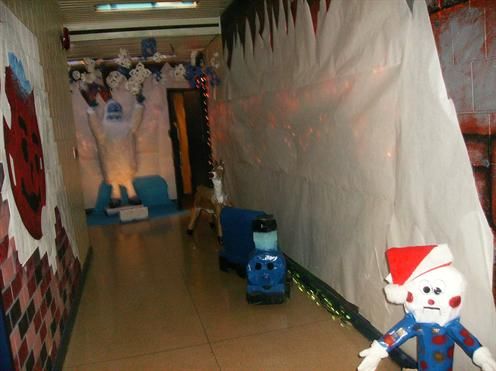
{"x": 210, "y": 200}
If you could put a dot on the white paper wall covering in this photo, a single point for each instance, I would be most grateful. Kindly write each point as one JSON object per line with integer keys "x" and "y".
{"x": 153, "y": 144}
{"x": 349, "y": 138}
{"x": 17, "y": 39}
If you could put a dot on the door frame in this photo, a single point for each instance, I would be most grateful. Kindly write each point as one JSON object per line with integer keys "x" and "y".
{"x": 176, "y": 146}
{"x": 176, "y": 151}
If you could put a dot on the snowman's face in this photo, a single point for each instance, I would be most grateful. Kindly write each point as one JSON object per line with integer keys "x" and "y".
{"x": 436, "y": 297}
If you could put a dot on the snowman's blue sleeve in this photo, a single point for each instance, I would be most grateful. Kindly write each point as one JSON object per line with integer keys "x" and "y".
{"x": 399, "y": 333}
{"x": 463, "y": 337}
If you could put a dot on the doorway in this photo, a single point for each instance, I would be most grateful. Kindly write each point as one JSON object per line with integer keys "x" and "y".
{"x": 190, "y": 142}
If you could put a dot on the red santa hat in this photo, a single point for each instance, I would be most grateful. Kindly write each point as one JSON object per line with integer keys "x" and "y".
{"x": 409, "y": 262}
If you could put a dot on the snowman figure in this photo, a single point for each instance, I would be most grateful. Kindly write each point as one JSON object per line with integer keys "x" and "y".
{"x": 115, "y": 139}
{"x": 431, "y": 290}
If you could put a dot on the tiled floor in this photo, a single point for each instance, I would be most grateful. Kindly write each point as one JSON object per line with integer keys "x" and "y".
{"x": 156, "y": 300}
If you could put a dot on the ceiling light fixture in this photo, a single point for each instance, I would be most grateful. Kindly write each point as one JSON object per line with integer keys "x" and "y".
{"x": 155, "y": 5}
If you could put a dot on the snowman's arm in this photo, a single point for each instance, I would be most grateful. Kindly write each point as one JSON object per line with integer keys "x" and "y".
{"x": 463, "y": 337}
{"x": 95, "y": 124}
{"x": 398, "y": 334}
{"x": 380, "y": 348}
{"x": 480, "y": 355}
{"x": 137, "y": 117}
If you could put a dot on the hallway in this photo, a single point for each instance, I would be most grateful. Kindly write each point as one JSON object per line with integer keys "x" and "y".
{"x": 155, "y": 300}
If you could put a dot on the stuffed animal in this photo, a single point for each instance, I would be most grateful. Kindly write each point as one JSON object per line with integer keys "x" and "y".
{"x": 115, "y": 138}
{"x": 431, "y": 290}
{"x": 210, "y": 200}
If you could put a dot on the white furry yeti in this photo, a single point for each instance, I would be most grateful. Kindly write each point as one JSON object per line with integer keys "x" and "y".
{"x": 115, "y": 138}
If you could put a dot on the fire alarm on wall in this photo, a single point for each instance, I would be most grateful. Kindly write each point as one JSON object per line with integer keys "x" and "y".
{"x": 65, "y": 38}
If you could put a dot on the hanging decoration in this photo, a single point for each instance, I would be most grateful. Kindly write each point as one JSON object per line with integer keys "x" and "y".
{"x": 114, "y": 79}
{"x": 137, "y": 76}
{"x": 148, "y": 48}
{"x": 215, "y": 60}
{"x": 179, "y": 72}
{"x": 149, "y": 53}
{"x": 157, "y": 57}
{"x": 198, "y": 68}
{"x": 201, "y": 83}
{"x": 124, "y": 60}
{"x": 92, "y": 83}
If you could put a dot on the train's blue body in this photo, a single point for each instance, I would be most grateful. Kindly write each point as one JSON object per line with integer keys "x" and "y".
{"x": 266, "y": 271}
{"x": 238, "y": 238}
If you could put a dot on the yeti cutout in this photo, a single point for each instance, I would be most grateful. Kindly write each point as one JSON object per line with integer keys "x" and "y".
{"x": 432, "y": 291}
{"x": 115, "y": 138}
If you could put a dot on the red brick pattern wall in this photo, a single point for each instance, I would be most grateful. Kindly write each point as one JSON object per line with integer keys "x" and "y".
{"x": 466, "y": 41}
{"x": 36, "y": 300}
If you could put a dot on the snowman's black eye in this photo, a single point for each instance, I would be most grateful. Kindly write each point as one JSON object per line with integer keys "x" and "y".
{"x": 426, "y": 289}
{"x": 437, "y": 291}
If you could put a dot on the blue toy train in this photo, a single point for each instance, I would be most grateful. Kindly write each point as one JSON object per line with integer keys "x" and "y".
{"x": 266, "y": 271}
{"x": 250, "y": 249}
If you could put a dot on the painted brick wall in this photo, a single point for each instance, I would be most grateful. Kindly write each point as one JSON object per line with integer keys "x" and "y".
{"x": 35, "y": 299}
{"x": 466, "y": 40}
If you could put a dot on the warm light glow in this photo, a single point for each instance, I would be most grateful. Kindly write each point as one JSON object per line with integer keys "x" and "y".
{"x": 155, "y": 5}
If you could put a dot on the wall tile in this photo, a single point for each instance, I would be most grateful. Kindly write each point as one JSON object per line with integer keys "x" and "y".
{"x": 475, "y": 123}
{"x": 478, "y": 151}
{"x": 484, "y": 79}
{"x": 442, "y": 34}
{"x": 493, "y": 183}
{"x": 467, "y": 30}
{"x": 482, "y": 4}
{"x": 491, "y": 31}
{"x": 458, "y": 79}
{"x": 8, "y": 270}
{"x": 483, "y": 183}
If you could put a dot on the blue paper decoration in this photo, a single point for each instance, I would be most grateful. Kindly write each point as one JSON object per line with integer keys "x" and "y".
{"x": 148, "y": 47}
{"x": 18, "y": 69}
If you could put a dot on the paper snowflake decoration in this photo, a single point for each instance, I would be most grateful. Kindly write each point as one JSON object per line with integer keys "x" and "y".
{"x": 179, "y": 72}
{"x": 76, "y": 75}
{"x": 157, "y": 57}
{"x": 90, "y": 64}
{"x": 140, "y": 73}
{"x": 114, "y": 79}
{"x": 215, "y": 60}
{"x": 124, "y": 59}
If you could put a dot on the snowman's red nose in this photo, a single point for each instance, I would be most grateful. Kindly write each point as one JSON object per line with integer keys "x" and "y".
{"x": 431, "y": 302}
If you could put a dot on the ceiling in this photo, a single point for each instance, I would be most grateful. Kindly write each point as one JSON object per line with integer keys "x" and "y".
{"x": 178, "y": 32}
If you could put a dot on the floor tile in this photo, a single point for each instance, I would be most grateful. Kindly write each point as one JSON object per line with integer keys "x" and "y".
{"x": 319, "y": 346}
{"x": 226, "y": 314}
{"x": 191, "y": 358}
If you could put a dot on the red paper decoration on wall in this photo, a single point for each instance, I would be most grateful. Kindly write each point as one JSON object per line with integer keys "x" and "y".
{"x": 24, "y": 155}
